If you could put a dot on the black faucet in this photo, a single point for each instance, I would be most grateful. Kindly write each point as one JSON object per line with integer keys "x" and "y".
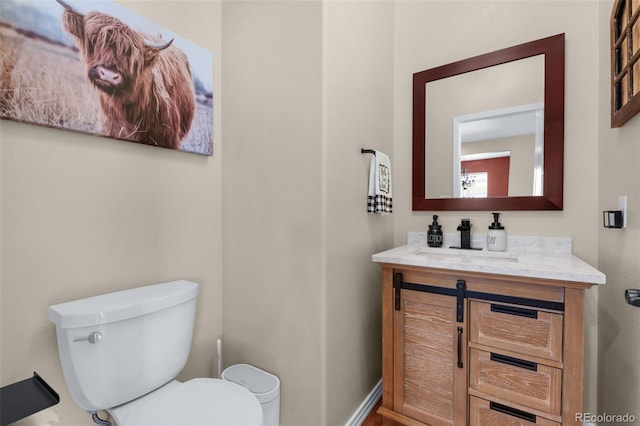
{"x": 465, "y": 233}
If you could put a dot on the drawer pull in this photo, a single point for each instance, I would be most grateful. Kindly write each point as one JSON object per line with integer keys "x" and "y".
{"x": 514, "y": 362}
{"x": 514, "y": 310}
{"x": 512, "y": 412}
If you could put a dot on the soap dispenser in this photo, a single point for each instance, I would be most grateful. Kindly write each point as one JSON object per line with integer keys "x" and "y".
{"x": 434, "y": 235}
{"x": 496, "y": 236}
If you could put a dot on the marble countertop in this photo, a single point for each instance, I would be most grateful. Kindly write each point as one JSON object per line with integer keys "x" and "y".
{"x": 554, "y": 265}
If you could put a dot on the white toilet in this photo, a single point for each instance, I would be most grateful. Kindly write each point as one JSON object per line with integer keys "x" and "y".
{"x": 121, "y": 352}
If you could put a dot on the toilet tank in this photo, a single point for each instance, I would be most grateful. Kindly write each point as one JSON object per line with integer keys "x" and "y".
{"x": 118, "y": 346}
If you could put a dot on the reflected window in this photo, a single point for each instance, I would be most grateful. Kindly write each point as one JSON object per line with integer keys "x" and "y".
{"x": 474, "y": 185}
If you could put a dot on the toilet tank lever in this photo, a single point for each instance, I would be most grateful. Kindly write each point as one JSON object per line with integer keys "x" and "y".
{"x": 94, "y": 337}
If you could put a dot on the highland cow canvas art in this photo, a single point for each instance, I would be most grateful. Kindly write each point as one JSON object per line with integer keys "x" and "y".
{"x": 95, "y": 67}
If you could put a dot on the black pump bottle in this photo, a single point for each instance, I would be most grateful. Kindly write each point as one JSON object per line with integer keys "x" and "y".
{"x": 434, "y": 235}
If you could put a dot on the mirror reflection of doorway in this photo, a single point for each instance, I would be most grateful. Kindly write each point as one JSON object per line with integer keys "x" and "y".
{"x": 487, "y": 138}
{"x": 485, "y": 177}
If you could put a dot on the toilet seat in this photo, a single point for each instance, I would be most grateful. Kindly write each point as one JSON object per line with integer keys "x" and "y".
{"x": 197, "y": 402}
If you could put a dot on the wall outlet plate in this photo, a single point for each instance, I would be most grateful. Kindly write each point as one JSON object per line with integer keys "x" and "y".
{"x": 622, "y": 206}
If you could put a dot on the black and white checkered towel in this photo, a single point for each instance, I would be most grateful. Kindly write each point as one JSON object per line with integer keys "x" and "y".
{"x": 379, "y": 200}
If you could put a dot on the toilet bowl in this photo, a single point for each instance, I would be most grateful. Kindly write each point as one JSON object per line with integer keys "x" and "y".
{"x": 122, "y": 351}
{"x": 193, "y": 403}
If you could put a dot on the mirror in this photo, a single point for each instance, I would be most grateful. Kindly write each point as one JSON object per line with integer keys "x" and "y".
{"x": 503, "y": 125}
{"x": 488, "y": 131}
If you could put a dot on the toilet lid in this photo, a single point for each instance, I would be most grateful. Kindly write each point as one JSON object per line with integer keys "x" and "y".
{"x": 200, "y": 402}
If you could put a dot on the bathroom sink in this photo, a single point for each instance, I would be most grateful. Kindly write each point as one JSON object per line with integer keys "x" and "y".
{"x": 462, "y": 253}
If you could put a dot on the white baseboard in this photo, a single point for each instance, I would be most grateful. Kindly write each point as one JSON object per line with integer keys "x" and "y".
{"x": 367, "y": 405}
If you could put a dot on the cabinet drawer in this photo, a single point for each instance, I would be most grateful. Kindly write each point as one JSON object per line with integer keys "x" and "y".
{"x": 511, "y": 379}
{"x": 487, "y": 413}
{"x": 517, "y": 329}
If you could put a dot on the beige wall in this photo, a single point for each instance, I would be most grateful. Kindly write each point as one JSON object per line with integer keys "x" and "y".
{"x": 277, "y": 230}
{"x": 272, "y": 246}
{"x": 432, "y": 33}
{"x": 358, "y": 113}
{"x": 83, "y": 215}
{"x": 299, "y": 300}
{"x": 300, "y": 291}
{"x": 618, "y": 250}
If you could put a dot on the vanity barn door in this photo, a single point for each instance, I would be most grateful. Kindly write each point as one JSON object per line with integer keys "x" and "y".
{"x": 430, "y": 359}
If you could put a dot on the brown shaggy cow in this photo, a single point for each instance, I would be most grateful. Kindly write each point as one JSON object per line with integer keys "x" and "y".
{"x": 144, "y": 84}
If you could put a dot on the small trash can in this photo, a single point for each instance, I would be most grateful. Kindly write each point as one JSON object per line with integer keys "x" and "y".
{"x": 265, "y": 386}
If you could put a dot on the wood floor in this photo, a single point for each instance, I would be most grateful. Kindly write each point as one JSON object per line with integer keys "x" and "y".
{"x": 373, "y": 419}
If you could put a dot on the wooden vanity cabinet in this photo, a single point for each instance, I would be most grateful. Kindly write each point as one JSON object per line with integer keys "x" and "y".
{"x": 426, "y": 341}
{"x": 467, "y": 348}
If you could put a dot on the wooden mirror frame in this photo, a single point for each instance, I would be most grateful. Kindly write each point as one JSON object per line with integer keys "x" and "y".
{"x": 553, "y": 50}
